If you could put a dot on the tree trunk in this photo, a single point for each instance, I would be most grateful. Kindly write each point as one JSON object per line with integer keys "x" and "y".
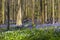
{"x": 53, "y": 11}
{"x": 3, "y": 10}
{"x": 59, "y": 11}
{"x": 45, "y": 11}
{"x": 33, "y": 1}
{"x": 19, "y": 15}
{"x": 42, "y": 11}
{"x": 8, "y": 14}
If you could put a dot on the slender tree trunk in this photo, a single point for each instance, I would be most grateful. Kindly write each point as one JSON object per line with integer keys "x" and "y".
{"x": 38, "y": 17}
{"x": 45, "y": 11}
{"x": 42, "y": 11}
{"x": 59, "y": 11}
{"x": 53, "y": 11}
{"x": 3, "y": 10}
{"x": 19, "y": 15}
{"x": 26, "y": 8}
{"x": 33, "y": 1}
{"x": 8, "y": 16}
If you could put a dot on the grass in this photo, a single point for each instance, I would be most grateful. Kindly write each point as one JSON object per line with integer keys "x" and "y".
{"x": 33, "y": 34}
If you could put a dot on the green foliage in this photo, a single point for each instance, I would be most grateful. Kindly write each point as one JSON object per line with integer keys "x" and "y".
{"x": 34, "y": 34}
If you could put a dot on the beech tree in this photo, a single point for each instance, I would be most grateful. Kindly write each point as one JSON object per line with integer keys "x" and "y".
{"x": 59, "y": 11}
{"x": 53, "y": 11}
{"x": 33, "y": 3}
{"x": 45, "y": 10}
{"x": 19, "y": 14}
{"x": 3, "y": 10}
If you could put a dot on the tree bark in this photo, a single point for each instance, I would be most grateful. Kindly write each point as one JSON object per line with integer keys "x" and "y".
{"x": 33, "y": 1}
{"x": 19, "y": 15}
{"x": 3, "y": 10}
{"x": 59, "y": 11}
{"x": 45, "y": 11}
{"x": 53, "y": 11}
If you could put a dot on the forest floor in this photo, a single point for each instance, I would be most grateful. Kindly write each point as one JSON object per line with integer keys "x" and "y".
{"x": 29, "y": 25}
